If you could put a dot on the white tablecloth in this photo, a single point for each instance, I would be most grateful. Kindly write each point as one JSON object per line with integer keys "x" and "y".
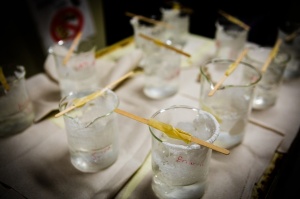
{"x": 36, "y": 163}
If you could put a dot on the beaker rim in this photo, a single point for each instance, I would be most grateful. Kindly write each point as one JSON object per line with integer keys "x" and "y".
{"x": 221, "y": 60}
{"x": 267, "y": 49}
{"x": 211, "y": 139}
{"x": 116, "y": 104}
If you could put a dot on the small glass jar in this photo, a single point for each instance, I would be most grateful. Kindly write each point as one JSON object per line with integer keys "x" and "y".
{"x": 16, "y": 107}
{"x": 92, "y": 130}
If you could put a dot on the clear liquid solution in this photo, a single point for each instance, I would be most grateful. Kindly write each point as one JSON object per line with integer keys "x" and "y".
{"x": 160, "y": 92}
{"x": 232, "y": 125}
{"x": 17, "y": 122}
{"x": 93, "y": 161}
{"x": 178, "y": 173}
{"x": 265, "y": 96}
{"x": 163, "y": 190}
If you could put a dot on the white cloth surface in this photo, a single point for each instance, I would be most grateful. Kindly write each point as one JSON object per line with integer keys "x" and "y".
{"x": 40, "y": 157}
{"x": 36, "y": 162}
{"x": 40, "y": 154}
{"x": 44, "y": 94}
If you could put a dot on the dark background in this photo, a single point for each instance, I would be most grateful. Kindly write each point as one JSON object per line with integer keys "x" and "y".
{"x": 264, "y": 17}
{"x": 20, "y": 43}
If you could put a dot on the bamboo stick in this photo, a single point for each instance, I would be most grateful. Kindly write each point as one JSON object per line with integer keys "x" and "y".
{"x": 3, "y": 80}
{"x": 179, "y": 133}
{"x": 81, "y": 101}
{"x": 234, "y": 20}
{"x": 272, "y": 55}
{"x": 230, "y": 69}
{"x": 73, "y": 46}
{"x": 160, "y": 43}
{"x": 148, "y": 20}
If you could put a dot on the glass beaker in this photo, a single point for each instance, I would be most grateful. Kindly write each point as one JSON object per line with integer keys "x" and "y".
{"x": 231, "y": 103}
{"x": 266, "y": 91}
{"x": 16, "y": 107}
{"x": 149, "y": 29}
{"x": 230, "y": 39}
{"x": 92, "y": 130}
{"x": 161, "y": 71}
{"x": 79, "y": 72}
{"x": 180, "y": 170}
{"x": 289, "y": 32}
{"x": 179, "y": 23}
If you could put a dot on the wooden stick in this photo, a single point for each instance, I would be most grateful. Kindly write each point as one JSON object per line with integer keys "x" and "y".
{"x": 163, "y": 126}
{"x": 234, "y": 20}
{"x": 132, "y": 116}
{"x": 187, "y": 10}
{"x": 292, "y": 36}
{"x": 84, "y": 100}
{"x": 230, "y": 69}
{"x": 3, "y": 80}
{"x": 160, "y": 43}
{"x": 272, "y": 55}
{"x": 120, "y": 44}
{"x": 148, "y": 20}
{"x": 212, "y": 92}
{"x": 80, "y": 102}
{"x": 73, "y": 46}
{"x": 133, "y": 72}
